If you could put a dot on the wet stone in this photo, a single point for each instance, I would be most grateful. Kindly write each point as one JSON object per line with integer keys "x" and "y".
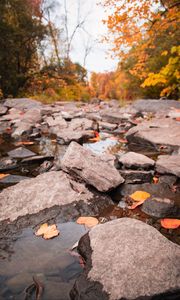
{"x": 89, "y": 167}
{"x": 168, "y": 164}
{"x": 7, "y": 163}
{"x": 21, "y": 152}
{"x": 37, "y": 159}
{"x": 47, "y": 190}
{"x": 160, "y": 207}
{"x": 12, "y": 179}
{"x": 114, "y": 253}
{"x": 136, "y": 176}
{"x": 135, "y": 161}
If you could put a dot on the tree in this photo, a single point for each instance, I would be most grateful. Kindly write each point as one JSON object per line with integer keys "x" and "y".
{"x": 22, "y": 31}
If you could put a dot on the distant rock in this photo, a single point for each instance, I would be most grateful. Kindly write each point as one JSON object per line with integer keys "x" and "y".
{"x": 3, "y": 110}
{"x": 127, "y": 259}
{"x": 168, "y": 164}
{"x": 47, "y": 190}
{"x": 155, "y": 106}
{"x": 21, "y": 152}
{"x": 91, "y": 168}
{"x": 22, "y": 103}
{"x": 135, "y": 161}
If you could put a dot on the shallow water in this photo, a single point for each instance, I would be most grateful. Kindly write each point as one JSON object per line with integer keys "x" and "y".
{"x": 48, "y": 260}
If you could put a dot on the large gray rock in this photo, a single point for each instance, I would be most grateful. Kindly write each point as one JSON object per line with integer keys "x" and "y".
{"x": 91, "y": 168}
{"x": 127, "y": 259}
{"x": 159, "y": 207}
{"x": 136, "y": 160}
{"x": 45, "y": 191}
{"x": 168, "y": 164}
{"x": 152, "y": 105}
{"x": 158, "y": 134}
{"x": 22, "y": 103}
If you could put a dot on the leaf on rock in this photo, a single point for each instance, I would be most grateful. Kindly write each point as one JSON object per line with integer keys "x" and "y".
{"x": 135, "y": 204}
{"x": 48, "y": 232}
{"x": 88, "y": 221}
{"x": 140, "y": 196}
{"x": 170, "y": 223}
{"x": 3, "y": 175}
{"x": 24, "y": 143}
{"x": 155, "y": 180}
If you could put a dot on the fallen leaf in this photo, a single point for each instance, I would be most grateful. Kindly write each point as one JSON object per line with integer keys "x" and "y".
{"x": 155, "y": 180}
{"x": 3, "y": 175}
{"x": 170, "y": 223}
{"x": 88, "y": 221}
{"x": 140, "y": 196}
{"x": 24, "y": 143}
{"x": 135, "y": 204}
{"x": 178, "y": 119}
{"x": 47, "y": 232}
{"x": 123, "y": 141}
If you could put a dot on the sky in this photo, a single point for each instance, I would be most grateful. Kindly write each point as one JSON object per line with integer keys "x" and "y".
{"x": 98, "y": 60}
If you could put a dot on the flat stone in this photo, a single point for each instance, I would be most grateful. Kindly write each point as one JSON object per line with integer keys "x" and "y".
{"x": 168, "y": 164}
{"x": 46, "y": 191}
{"x": 12, "y": 179}
{"x": 136, "y": 176}
{"x": 127, "y": 259}
{"x": 3, "y": 110}
{"x": 22, "y": 128}
{"x": 159, "y": 208}
{"x": 89, "y": 167}
{"x": 136, "y": 160}
{"x": 154, "y": 105}
{"x": 69, "y": 135}
{"x": 22, "y": 103}
{"x": 56, "y": 121}
{"x": 107, "y": 126}
{"x": 21, "y": 152}
{"x": 158, "y": 134}
{"x": 79, "y": 124}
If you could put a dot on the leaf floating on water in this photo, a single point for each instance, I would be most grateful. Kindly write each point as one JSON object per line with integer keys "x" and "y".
{"x": 88, "y": 221}
{"x": 140, "y": 196}
{"x": 135, "y": 204}
{"x": 170, "y": 223}
{"x": 48, "y": 232}
{"x": 96, "y": 138}
{"x": 3, "y": 175}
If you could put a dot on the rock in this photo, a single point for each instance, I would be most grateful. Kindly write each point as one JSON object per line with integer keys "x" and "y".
{"x": 159, "y": 208}
{"x": 168, "y": 164}
{"x": 56, "y": 121}
{"x": 79, "y": 124}
{"x": 21, "y": 128}
{"x": 7, "y": 164}
{"x": 135, "y": 161}
{"x": 118, "y": 115}
{"x": 151, "y": 105}
{"x": 31, "y": 116}
{"x": 107, "y": 126}
{"x": 11, "y": 179}
{"x": 136, "y": 176}
{"x": 68, "y": 135}
{"x": 22, "y": 103}
{"x": 89, "y": 167}
{"x": 21, "y": 152}
{"x": 156, "y": 135}
{"x": 3, "y": 110}
{"x": 46, "y": 191}
{"x": 37, "y": 159}
{"x": 127, "y": 259}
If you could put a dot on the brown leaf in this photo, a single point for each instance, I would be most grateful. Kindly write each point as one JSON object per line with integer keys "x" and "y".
{"x": 135, "y": 204}
{"x": 88, "y": 221}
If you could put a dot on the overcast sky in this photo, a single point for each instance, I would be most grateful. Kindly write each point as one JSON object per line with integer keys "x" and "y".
{"x": 97, "y": 60}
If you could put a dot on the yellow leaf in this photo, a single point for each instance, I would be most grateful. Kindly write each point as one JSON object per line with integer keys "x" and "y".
{"x": 47, "y": 232}
{"x": 140, "y": 196}
{"x": 88, "y": 221}
{"x": 164, "y": 53}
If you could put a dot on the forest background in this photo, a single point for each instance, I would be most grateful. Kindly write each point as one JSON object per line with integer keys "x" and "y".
{"x": 35, "y": 53}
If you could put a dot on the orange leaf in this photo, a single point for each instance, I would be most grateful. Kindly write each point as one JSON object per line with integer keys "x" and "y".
{"x": 170, "y": 223}
{"x": 178, "y": 119}
{"x": 134, "y": 205}
{"x": 140, "y": 196}
{"x": 88, "y": 221}
{"x": 24, "y": 143}
{"x": 155, "y": 180}
{"x": 123, "y": 141}
{"x": 47, "y": 232}
{"x": 3, "y": 175}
